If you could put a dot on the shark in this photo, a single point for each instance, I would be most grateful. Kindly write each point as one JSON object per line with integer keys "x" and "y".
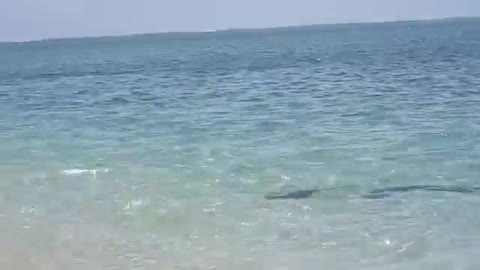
{"x": 293, "y": 192}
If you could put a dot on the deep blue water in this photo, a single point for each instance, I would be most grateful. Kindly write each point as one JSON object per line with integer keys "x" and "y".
{"x": 157, "y": 149}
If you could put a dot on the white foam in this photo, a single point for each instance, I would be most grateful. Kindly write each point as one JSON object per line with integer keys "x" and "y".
{"x": 133, "y": 204}
{"x": 72, "y": 172}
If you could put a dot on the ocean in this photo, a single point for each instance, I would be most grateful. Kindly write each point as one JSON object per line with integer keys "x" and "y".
{"x": 156, "y": 151}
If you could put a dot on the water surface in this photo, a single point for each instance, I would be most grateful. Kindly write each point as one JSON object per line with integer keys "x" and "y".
{"x": 155, "y": 152}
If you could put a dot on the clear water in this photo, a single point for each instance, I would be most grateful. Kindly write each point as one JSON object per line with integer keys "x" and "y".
{"x": 155, "y": 152}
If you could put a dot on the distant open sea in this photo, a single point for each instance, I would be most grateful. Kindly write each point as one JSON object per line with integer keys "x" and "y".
{"x": 156, "y": 151}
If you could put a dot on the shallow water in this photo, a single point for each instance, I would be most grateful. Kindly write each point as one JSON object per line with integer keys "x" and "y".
{"x": 155, "y": 152}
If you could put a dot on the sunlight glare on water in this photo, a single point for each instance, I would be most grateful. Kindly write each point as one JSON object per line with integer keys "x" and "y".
{"x": 155, "y": 152}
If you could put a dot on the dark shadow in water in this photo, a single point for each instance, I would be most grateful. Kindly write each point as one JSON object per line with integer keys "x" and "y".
{"x": 389, "y": 191}
{"x": 291, "y": 192}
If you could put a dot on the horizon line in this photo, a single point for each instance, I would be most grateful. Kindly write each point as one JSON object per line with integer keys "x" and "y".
{"x": 207, "y": 31}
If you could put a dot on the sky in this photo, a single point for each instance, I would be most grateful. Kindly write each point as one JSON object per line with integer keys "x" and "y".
{"x": 22, "y": 20}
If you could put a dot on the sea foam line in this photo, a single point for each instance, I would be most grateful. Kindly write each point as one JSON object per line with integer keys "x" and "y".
{"x": 72, "y": 172}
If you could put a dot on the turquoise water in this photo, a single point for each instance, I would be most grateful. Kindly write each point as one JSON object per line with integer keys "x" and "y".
{"x": 155, "y": 151}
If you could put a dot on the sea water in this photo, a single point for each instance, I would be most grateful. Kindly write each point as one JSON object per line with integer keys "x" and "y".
{"x": 156, "y": 151}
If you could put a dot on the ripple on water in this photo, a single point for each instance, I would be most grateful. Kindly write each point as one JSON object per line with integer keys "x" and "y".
{"x": 156, "y": 151}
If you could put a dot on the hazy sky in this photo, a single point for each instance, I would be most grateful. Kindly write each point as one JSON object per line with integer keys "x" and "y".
{"x": 39, "y": 19}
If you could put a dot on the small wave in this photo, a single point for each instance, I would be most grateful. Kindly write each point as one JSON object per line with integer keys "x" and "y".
{"x": 134, "y": 204}
{"x": 71, "y": 172}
